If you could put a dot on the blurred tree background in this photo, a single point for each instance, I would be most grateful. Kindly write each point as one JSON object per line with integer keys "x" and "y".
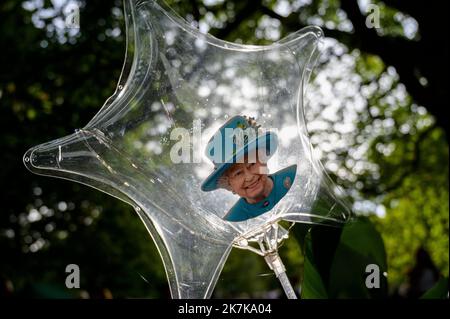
{"x": 376, "y": 115}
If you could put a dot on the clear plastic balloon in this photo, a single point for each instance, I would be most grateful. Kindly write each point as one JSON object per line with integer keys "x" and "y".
{"x": 178, "y": 83}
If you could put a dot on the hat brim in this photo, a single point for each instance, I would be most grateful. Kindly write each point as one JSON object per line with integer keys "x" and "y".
{"x": 268, "y": 138}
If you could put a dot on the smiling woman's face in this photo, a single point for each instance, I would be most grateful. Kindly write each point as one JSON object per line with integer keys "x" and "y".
{"x": 249, "y": 180}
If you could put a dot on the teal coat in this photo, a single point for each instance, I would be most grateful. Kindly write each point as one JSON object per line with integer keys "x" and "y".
{"x": 282, "y": 181}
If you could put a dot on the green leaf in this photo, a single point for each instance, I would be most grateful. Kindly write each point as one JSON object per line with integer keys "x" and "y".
{"x": 319, "y": 247}
{"x": 336, "y": 261}
{"x": 438, "y": 291}
{"x": 312, "y": 286}
{"x": 360, "y": 246}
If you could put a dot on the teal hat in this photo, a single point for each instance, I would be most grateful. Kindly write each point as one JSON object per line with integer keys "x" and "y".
{"x": 237, "y": 137}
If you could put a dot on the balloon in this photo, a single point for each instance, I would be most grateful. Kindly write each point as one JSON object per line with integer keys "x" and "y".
{"x": 146, "y": 144}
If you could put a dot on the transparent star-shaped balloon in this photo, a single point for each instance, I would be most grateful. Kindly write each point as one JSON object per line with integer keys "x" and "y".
{"x": 178, "y": 83}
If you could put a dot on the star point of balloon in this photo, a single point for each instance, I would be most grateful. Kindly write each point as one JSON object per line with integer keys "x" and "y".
{"x": 180, "y": 85}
